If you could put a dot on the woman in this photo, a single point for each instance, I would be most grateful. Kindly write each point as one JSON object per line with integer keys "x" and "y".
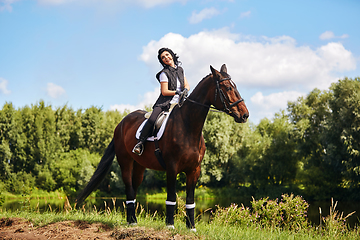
{"x": 173, "y": 83}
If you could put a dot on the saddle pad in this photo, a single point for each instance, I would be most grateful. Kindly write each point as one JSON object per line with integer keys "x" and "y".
{"x": 159, "y": 134}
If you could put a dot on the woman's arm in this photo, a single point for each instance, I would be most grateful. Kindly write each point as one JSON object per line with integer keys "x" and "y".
{"x": 186, "y": 84}
{"x": 165, "y": 89}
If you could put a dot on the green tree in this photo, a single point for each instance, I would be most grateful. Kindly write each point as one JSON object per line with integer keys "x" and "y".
{"x": 68, "y": 128}
{"x": 73, "y": 169}
{"x": 91, "y": 123}
{"x": 310, "y": 116}
{"x": 280, "y": 159}
{"x": 343, "y": 137}
{"x": 267, "y": 154}
{"x": 7, "y": 127}
{"x": 222, "y": 138}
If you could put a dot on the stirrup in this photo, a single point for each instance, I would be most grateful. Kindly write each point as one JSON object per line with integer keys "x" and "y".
{"x": 139, "y": 148}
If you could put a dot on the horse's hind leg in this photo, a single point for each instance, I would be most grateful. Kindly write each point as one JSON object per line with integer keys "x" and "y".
{"x": 138, "y": 176}
{"x": 132, "y": 176}
{"x": 171, "y": 197}
{"x": 191, "y": 180}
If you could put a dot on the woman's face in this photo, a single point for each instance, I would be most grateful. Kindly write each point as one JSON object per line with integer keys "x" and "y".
{"x": 167, "y": 59}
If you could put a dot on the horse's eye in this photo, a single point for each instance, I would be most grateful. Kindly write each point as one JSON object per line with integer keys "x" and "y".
{"x": 229, "y": 88}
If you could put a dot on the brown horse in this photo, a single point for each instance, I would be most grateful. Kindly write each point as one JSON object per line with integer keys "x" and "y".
{"x": 182, "y": 144}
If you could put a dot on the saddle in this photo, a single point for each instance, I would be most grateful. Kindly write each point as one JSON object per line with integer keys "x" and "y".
{"x": 159, "y": 125}
{"x": 158, "y": 130}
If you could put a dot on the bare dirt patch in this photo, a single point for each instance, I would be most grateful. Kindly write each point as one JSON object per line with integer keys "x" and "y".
{"x": 16, "y": 228}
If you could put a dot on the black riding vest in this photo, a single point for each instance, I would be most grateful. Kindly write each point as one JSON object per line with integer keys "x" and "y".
{"x": 172, "y": 74}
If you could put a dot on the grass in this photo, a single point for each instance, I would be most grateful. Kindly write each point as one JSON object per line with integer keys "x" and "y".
{"x": 204, "y": 230}
{"x": 333, "y": 225}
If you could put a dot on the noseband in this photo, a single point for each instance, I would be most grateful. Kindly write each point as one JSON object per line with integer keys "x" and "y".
{"x": 223, "y": 99}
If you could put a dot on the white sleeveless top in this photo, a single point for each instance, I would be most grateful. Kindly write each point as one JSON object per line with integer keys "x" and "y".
{"x": 164, "y": 78}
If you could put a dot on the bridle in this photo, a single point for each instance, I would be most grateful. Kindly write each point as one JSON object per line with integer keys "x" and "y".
{"x": 224, "y": 101}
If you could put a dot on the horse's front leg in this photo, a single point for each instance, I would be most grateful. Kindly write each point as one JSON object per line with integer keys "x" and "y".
{"x": 171, "y": 197}
{"x": 191, "y": 180}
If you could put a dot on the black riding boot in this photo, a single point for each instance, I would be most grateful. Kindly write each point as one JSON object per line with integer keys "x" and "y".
{"x": 145, "y": 133}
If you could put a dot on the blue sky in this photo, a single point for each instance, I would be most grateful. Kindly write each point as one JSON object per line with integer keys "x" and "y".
{"x": 104, "y": 52}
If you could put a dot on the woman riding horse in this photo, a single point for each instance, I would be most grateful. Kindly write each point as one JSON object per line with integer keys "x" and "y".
{"x": 182, "y": 144}
{"x": 172, "y": 82}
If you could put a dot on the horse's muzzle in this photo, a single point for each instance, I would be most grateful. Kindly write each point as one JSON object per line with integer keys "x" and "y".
{"x": 240, "y": 119}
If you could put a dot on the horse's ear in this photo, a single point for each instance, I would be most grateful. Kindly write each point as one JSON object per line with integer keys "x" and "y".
{"x": 223, "y": 69}
{"x": 214, "y": 71}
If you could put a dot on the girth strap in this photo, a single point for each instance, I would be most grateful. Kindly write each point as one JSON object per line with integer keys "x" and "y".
{"x": 158, "y": 153}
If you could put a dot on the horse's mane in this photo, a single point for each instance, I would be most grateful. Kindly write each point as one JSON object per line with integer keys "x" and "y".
{"x": 206, "y": 77}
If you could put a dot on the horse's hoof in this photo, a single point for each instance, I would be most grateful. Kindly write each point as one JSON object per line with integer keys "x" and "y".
{"x": 193, "y": 230}
{"x": 132, "y": 224}
{"x": 170, "y": 226}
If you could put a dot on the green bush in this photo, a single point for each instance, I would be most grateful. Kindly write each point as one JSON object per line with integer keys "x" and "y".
{"x": 233, "y": 215}
{"x": 45, "y": 180}
{"x": 288, "y": 213}
{"x": 72, "y": 170}
{"x": 21, "y": 183}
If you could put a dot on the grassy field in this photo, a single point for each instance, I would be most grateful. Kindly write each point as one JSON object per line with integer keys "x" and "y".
{"x": 217, "y": 228}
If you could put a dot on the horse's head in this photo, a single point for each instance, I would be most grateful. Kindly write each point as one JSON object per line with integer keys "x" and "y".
{"x": 227, "y": 97}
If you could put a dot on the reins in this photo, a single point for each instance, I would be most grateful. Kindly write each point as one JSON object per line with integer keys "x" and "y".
{"x": 213, "y": 109}
{"x": 223, "y": 99}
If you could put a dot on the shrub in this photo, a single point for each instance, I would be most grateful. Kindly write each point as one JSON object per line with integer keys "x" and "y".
{"x": 335, "y": 223}
{"x": 233, "y": 215}
{"x": 294, "y": 211}
{"x": 21, "y": 182}
{"x": 288, "y": 213}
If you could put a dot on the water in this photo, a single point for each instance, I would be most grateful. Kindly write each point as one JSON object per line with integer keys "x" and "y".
{"x": 203, "y": 207}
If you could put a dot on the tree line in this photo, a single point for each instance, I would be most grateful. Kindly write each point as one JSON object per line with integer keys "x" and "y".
{"x": 311, "y": 148}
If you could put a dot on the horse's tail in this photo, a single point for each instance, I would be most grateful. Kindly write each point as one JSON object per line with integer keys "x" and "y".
{"x": 101, "y": 171}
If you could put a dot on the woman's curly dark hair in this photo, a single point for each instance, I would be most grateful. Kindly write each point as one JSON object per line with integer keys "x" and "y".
{"x": 174, "y": 56}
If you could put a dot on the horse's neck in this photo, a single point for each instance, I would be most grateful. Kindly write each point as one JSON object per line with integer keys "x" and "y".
{"x": 194, "y": 115}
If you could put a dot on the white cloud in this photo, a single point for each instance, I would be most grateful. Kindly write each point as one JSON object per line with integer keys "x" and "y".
{"x": 54, "y": 90}
{"x": 3, "y": 86}
{"x": 206, "y": 13}
{"x": 330, "y": 35}
{"x": 245, "y": 14}
{"x": 5, "y": 5}
{"x": 275, "y": 100}
{"x": 148, "y": 100}
{"x": 327, "y": 35}
{"x": 266, "y": 106}
{"x": 257, "y": 63}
